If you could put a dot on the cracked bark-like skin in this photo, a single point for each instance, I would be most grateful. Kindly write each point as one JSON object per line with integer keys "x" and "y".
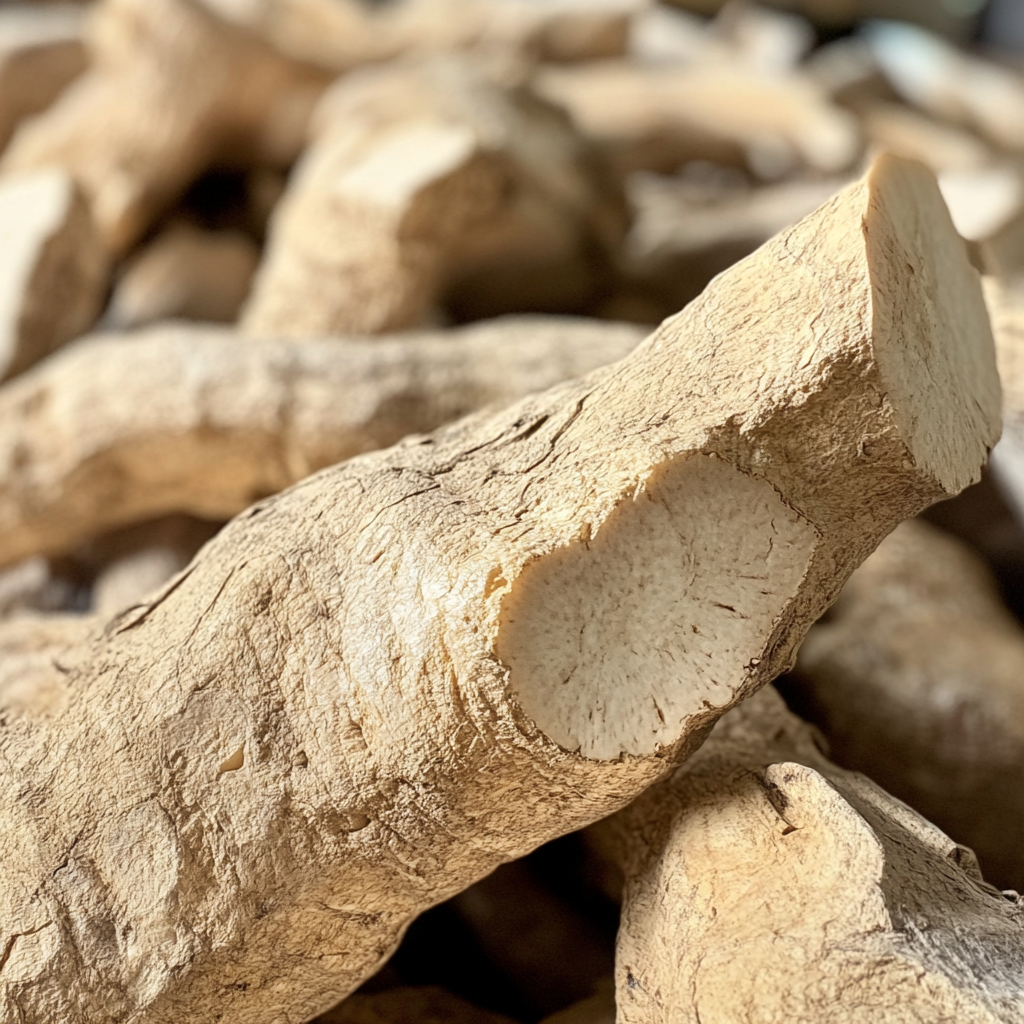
{"x": 917, "y": 679}
{"x": 764, "y": 884}
{"x": 122, "y": 428}
{"x": 343, "y": 712}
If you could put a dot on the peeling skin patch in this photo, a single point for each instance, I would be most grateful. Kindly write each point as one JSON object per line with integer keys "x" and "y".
{"x": 235, "y": 761}
{"x": 613, "y": 643}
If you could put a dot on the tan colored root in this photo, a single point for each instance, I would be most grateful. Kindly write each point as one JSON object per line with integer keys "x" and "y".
{"x": 41, "y": 50}
{"x": 428, "y": 1005}
{"x": 428, "y": 185}
{"x": 917, "y": 679}
{"x": 765, "y": 884}
{"x": 185, "y": 272}
{"x": 367, "y": 692}
{"x": 340, "y": 35}
{"x": 124, "y": 428}
{"x": 170, "y": 87}
{"x": 658, "y": 117}
{"x": 53, "y": 267}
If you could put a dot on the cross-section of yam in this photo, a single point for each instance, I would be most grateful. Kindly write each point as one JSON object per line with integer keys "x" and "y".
{"x": 367, "y": 692}
{"x": 170, "y": 87}
{"x": 53, "y": 267}
{"x": 122, "y": 428}
{"x": 657, "y": 117}
{"x": 764, "y": 884}
{"x": 917, "y": 679}
{"x": 41, "y": 50}
{"x": 427, "y": 185}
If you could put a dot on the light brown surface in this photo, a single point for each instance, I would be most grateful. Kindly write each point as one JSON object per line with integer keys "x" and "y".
{"x": 185, "y": 272}
{"x": 427, "y": 183}
{"x": 344, "y": 712}
{"x": 917, "y": 679}
{"x": 764, "y": 884}
{"x": 41, "y": 50}
{"x": 169, "y": 89}
{"x": 53, "y": 267}
{"x": 179, "y": 418}
{"x": 657, "y": 117}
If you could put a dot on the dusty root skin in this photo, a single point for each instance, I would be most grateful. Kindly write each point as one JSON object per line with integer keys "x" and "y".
{"x": 168, "y": 84}
{"x": 120, "y": 428}
{"x": 427, "y": 182}
{"x": 328, "y": 723}
{"x": 765, "y": 884}
{"x": 917, "y": 679}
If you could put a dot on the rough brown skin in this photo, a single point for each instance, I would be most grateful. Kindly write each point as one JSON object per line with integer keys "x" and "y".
{"x": 53, "y": 267}
{"x": 917, "y": 679}
{"x": 369, "y": 691}
{"x": 658, "y": 117}
{"x": 41, "y": 51}
{"x": 764, "y": 884}
{"x": 169, "y": 88}
{"x": 123, "y": 428}
{"x": 428, "y": 185}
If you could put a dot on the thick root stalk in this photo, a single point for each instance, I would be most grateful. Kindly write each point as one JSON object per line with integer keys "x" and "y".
{"x": 367, "y": 692}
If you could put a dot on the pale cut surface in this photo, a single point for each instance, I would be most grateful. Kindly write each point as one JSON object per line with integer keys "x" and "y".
{"x": 263, "y": 773}
{"x": 169, "y": 89}
{"x": 428, "y": 185}
{"x": 53, "y": 267}
{"x": 917, "y": 679}
{"x": 764, "y": 884}
{"x": 191, "y": 418}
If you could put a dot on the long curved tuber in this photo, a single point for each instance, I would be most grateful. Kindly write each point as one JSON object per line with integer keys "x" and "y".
{"x": 170, "y": 88}
{"x": 122, "y": 428}
{"x": 427, "y": 183}
{"x": 367, "y": 692}
{"x": 764, "y": 884}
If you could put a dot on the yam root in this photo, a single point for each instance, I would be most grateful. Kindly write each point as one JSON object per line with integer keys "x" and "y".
{"x": 658, "y": 117}
{"x": 765, "y": 884}
{"x": 428, "y": 184}
{"x": 123, "y": 428}
{"x": 367, "y": 692}
{"x": 53, "y": 267}
{"x": 41, "y": 50}
{"x": 169, "y": 89}
{"x": 340, "y": 35}
{"x": 917, "y": 679}
{"x": 185, "y": 272}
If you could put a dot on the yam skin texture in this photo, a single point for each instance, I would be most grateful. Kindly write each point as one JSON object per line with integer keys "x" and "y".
{"x": 169, "y": 89}
{"x": 367, "y": 692}
{"x": 119, "y": 429}
{"x": 764, "y": 884}
{"x": 53, "y": 267}
{"x": 427, "y": 184}
{"x": 917, "y": 679}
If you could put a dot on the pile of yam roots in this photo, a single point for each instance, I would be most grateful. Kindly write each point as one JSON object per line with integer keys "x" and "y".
{"x": 462, "y": 466}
